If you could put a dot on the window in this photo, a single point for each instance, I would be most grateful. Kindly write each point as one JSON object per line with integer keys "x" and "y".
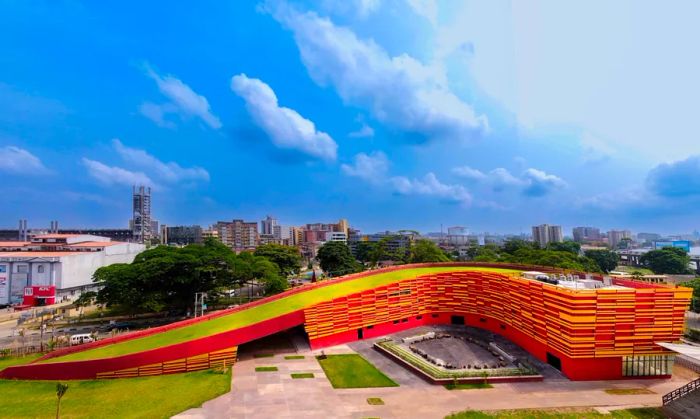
{"x": 503, "y": 327}
{"x": 371, "y": 326}
{"x": 482, "y": 320}
{"x": 419, "y": 317}
{"x": 40, "y": 269}
{"x": 21, "y": 269}
{"x": 396, "y": 322}
{"x": 647, "y": 365}
{"x": 435, "y": 315}
{"x": 404, "y": 320}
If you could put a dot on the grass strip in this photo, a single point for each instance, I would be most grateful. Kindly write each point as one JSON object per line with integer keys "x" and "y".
{"x": 628, "y": 391}
{"x": 375, "y": 401}
{"x": 570, "y": 413}
{"x": 294, "y": 357}
{"x": 263, "y": 355}
{"x": 298, "y": 375}
{"x": 265, "y": 369}
{"x": 467, "y": 386}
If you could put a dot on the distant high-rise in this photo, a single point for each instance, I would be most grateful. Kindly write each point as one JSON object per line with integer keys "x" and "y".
{"x": 239, "y": 235}
{"x": 616, "y": 236}
{"x": 586, "y": 234}
{"x": 141, "y": 226}
{"x": 544, "y": 234}
{"x": 267, "y": 226}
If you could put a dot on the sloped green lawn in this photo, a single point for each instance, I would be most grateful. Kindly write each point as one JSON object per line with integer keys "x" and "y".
{"x": 262, "y": 312}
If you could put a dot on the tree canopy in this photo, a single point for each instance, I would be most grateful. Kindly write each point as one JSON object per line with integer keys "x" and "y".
{"x": 563, "y": 255}
{"x": 669, "y": 260}
{"x": 287, "y": 258}
{"x": 426, "y": 251}
{"x": 336, "y": 259}
{"x": 167, "y": 277}
{"x": 605, "y": 259}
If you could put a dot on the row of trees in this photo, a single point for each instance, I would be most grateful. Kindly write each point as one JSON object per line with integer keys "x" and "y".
{"x": 336, "y": 259}
{"x": 167, "y": 277}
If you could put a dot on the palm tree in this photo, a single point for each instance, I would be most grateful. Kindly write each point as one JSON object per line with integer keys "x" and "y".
{"x": 60, "y": 391}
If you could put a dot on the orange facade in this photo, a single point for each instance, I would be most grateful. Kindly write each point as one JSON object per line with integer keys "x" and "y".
{"x": 584, "y": 324}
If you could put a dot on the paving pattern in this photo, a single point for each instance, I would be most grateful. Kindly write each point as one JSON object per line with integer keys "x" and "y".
{"x": 276, "y": 395}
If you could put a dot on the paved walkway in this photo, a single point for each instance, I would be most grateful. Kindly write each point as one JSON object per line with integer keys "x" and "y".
{"x": 277, "y": 395}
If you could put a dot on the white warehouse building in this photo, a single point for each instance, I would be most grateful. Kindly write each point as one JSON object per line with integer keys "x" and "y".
{"x": 55, "y": 267}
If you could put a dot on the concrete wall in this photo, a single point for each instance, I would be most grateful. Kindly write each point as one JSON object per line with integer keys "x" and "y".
{"x": 77, "y": 269}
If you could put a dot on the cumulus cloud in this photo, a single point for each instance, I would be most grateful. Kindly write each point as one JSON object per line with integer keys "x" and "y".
{"x": 113, "y": 175}
{"x": 532, "y": 182}
{"x": 400, "y": 91}
{"x": 365, "y": 131}
{"x": 370, "y": 167}
{"x": 540, "y": 183}
{"x": 595, "y": 150}
{"x": 169, "y": 172}
{"x": 285, "y": 127}
{"x": 430, "y": 185}
{"x": 425, "y": 8}
{"x": 183, "y": 101}
{"x": 469, "y": 173}
{"x": 676, "y": 180}
{"x": 19, "y": 161}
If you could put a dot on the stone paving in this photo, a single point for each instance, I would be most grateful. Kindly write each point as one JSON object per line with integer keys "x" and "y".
{"x": 277, "y": 395}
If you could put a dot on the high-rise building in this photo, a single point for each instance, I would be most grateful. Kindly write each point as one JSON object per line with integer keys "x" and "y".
{"x": 141, "y": 220}
{"x": 615, "y": 237}
{"x": 239, "y": 235}
{"x": 267, "y": 226}
{"x": 586, "y": 234}
{"x": 183, "y": 235}
{"x": 544, "y": 234}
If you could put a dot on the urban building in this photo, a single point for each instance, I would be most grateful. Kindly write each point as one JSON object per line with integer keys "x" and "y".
{"x": 210, "y": 233}
{"x": 586, "y": 234}
{"x": 141, "y": 226}
{"x": 544, "y": 234}
{"x": 615, "y": 237}
{"x": 239, "y": 235}
{"x": 181, "y": 235}
{"x": 52, "y": 267}
{"x": 267, "y": 226}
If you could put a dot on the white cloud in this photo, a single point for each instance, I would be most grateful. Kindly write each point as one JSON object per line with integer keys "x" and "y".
{"x": 540, "y": 183}
{"x": 156, "y": 113}
{"x": 532, "y": 182}
{"x": 595, "y": 150}
{"x": 372, "y": 167}
{"x": 430, "y": 185}
{"x": 183, "y": 101}
{"x": 17, "y": 160}
{"x": 365, "y": 131}
{"x": 425, "y": 8}
{"x": 113, "y": 175}
{"x": 285, "y": 127}
{"x": 169, "y": 172}
{"x": 469, "y": 173}
{"x": 400, "y": 91}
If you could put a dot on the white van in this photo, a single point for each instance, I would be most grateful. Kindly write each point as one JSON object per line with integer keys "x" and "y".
{"x": 80, "y": 339}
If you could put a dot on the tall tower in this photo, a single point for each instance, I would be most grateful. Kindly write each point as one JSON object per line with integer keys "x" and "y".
{"x": 141, "y": 220}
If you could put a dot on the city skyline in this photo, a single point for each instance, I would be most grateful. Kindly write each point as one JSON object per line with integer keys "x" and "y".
{"x": 431, "y": 118}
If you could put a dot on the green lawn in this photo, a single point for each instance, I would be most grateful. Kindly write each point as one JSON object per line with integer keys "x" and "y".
{"x": 264, "y": 311}
{"x": 640, "y": 413}
{"x": 353, "y": 371}
{"x": 147, "y": 397}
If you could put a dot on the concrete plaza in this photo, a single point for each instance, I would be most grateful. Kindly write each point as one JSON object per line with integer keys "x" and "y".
{"x": 276, "y": 395}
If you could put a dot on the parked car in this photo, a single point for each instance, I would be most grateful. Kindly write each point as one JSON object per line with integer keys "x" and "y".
{"x": 81, "y": 338}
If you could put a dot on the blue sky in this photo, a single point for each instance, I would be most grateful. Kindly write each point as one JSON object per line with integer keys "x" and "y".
{"x": 394, "y": 114}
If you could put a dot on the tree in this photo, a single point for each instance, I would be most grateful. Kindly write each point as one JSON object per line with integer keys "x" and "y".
{"x": 364, "y": 251}
{"x": 566, "y": 246}
{"x": 669, "y": 260}
{"x": 168, "y": 277}
{"x": 695, "y": 299}
{"x": 605, "y": 259}
{"x": 86, "y": 299}
{"x": 287, "y": 258}
{"x": 60, "y": 392}
{"x": 426, "y": 251}
{"x": 335, "y": 259}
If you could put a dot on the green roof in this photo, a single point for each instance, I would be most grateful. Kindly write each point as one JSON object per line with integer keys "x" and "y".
{"x": 261, "y": 312}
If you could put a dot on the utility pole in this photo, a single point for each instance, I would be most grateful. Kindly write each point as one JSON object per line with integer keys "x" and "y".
{"x": 199, "y": 303}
